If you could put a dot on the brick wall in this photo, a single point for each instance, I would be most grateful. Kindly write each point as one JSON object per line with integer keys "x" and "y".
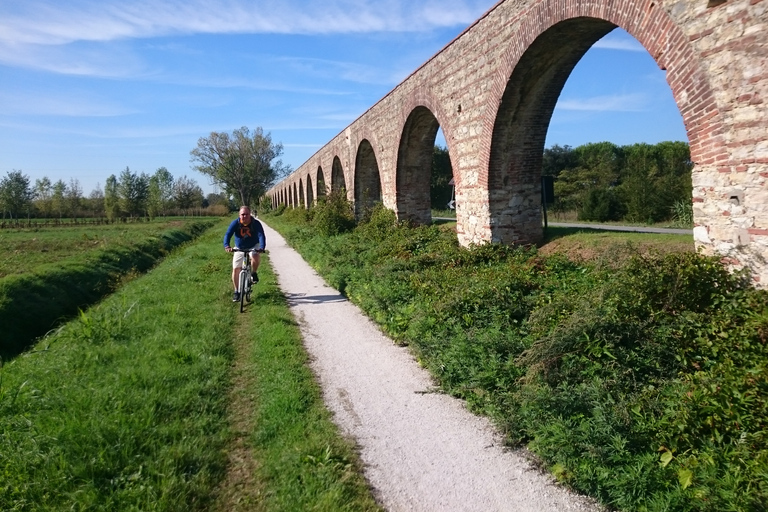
{"x": 493, "y": 89}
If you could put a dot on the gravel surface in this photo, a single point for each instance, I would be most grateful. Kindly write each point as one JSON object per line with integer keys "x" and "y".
{"x": 421, "y": 450}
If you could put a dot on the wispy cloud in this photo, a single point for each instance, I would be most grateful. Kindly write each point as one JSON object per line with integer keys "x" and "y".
{"x": 49, "y": 22}
{"x": 71, "y": 105}
{"x": 614, "y": 103}
{"x": 624, "y": 42}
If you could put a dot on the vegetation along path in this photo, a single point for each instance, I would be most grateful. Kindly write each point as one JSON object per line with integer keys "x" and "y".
{"x": 421, "y": 449}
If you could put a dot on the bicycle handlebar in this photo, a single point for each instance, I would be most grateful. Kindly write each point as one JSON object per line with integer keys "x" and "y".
{"x": 235, "y": 249}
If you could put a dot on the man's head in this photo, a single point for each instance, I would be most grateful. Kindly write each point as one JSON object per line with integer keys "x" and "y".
{"x": 245, "y": 215}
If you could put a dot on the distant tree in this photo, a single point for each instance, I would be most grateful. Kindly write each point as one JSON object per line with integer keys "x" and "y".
{"x": 187, "y": 193}
{"x": 111, "y": 198}
{"x": 215, "y": 198}
{"x": 160, "y": 192}
{"x": 556, "y": 159}
{"x": 242, "y": 163}
{"x": 43, "y": 193}
{"x": 442, "y": 174}
{"x": 74, "y": 197}
{"x": 132, "y": 189}
{"x": 57, "y": 198}
{"x": 15, "y": 193}
{"x": 96, "y": 201}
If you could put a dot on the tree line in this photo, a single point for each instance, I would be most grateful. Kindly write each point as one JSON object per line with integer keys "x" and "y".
{"x": 129, "y": 194}
{"x": 242, "y": 164}
{"x": 602, "y": 181}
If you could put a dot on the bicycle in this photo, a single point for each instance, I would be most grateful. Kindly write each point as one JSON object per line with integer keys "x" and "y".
{"x": 245, "y": 283}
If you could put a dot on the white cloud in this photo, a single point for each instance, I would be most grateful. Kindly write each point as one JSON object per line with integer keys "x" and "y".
{"x": 619, "y": 41}
{"x": 49, "y": 22}
{"x": 614, "y": 103}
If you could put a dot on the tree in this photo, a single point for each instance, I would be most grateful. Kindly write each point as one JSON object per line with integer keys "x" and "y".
{"x": 242, "y": 164}
{"x": 74, "y": 196}
{"x": 111, "y": 198}
{"x": 442, "y": 173}
{"x": 96, "y": 200}
{"x": 57, "y": 198}
{"x": 187, "y": 193}
{"x": 160, "y": 192}
{"x": 15, "y": 193}
{"x": 132, "y": 189}
{"x": 43, "y": 193}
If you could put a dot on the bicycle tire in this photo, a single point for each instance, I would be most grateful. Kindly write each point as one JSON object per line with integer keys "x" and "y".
{"x": 242, "y": 286}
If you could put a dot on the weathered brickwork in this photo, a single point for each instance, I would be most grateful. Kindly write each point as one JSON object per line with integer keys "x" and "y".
{"x": 493, "y": 90}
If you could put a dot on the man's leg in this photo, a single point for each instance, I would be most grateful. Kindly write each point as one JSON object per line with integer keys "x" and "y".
{"x": 235, "y": 277}
{"x": 255, "y": 260}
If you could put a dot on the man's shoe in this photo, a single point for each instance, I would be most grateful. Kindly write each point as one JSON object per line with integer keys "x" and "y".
{"x": 254, "y": 278}
{"x": 236, "y": 297}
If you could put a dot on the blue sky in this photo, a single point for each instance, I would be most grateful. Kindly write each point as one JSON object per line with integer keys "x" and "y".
{"x": 90, "y": 87}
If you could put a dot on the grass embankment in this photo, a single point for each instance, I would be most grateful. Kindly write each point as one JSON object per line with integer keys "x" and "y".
{"x": 639, "y": 378}
{"x": 48, "y": 274}
{"x": 129, "y": 407}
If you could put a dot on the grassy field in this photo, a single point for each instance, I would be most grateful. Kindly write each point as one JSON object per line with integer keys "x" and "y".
{"x": 24, "y": 250}
{"x": 63, "y": 270}
{"x": 634, "y": 368}
{"x": 164, "y": 397}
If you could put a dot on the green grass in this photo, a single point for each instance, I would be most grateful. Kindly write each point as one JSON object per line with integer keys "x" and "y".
{"x": 33, "y": 302}
{"x": 128, "y": 407}
{"x": 24, "y": 250}
{"x": 636, "y": 369}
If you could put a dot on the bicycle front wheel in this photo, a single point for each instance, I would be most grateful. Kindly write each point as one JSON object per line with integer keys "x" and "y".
{"x": 242, "y": 286}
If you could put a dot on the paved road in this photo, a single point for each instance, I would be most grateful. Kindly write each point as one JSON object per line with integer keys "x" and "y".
{"x": 422, "y": 450}
{"x": 607, "y": 227}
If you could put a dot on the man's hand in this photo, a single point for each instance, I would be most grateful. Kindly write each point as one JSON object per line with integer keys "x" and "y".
{"x": 228, "y": 249}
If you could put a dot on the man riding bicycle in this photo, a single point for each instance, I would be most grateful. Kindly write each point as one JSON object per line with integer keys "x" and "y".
{"x": 249, "y": 236}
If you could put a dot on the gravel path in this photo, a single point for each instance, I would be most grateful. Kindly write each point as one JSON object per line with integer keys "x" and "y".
{"x": 422, "y": 450}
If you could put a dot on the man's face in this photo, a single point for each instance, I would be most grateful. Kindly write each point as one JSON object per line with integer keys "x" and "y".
{"x": 245, "y": 216}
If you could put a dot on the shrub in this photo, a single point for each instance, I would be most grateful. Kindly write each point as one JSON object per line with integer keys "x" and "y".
{"x": 334, "y": 214}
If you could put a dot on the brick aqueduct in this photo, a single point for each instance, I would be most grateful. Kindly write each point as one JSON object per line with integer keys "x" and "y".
{"x": 493, "y": 89}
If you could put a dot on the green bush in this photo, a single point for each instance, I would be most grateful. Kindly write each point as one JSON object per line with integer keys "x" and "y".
{"x": 641, "y": 380}
{"x": 334, "y": 215}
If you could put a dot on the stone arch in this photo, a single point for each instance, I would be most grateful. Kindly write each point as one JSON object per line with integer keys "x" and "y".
{"x": 321, "y": 190}
{"x": 310, "y": 193}
{"x": 338, "y": 182}
{"x": 302, "y": 203}
{"x": 414, "y": 166}
{"x": 367, "y": 178}
{"x": 535, "y": 69}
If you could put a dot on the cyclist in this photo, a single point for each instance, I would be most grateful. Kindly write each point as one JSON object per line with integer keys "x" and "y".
{"x": 249, "y": 235}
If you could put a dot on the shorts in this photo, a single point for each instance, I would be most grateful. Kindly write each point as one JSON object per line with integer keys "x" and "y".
{"x": 237, "y": 259}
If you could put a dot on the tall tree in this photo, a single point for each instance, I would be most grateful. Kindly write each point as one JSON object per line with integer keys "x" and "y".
{"x": 187, "y": 193}
{"x": 160, "y": 192}
{"x": 57, "y": 198}
{"x": 15, "y": 193}
{"x": 132, "y": 189}
{"x": 43, "y": 193}
{"x": 442, "y": 173}
{"x": 96, "y": 201}
{"x": 111, "y": 198}
{"x": 74, "y": 196}
{"x": 242, "y": 163}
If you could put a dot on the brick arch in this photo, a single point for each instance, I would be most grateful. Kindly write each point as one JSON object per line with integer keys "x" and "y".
{"x": 301, "y": 203}
{"x": 367, "y": 179}
{"x": 535, "y": 68}
{"x": 322, "y": 190}
{"x": 310, "y": 192}
{"x": 338, "y": 180}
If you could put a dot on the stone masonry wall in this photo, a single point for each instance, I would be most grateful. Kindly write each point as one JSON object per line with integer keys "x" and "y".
{"x": 715, "y": 54}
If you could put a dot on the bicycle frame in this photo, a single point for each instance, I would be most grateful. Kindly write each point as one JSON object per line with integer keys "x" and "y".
{"x": 244, "y": 286}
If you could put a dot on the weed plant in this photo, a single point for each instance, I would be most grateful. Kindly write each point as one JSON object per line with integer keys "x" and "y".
{"x": 639, "y": 378}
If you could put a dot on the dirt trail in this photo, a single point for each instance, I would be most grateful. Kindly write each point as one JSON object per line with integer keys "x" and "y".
{"x": 422, "y": 450}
